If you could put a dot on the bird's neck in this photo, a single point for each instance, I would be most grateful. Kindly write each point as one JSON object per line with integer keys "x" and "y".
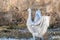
{"x": 29, "y": 17}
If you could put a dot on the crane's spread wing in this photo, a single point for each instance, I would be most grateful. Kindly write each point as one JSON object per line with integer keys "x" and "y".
{"x": 37, "y": 15}
{"x": 43, "y": 25}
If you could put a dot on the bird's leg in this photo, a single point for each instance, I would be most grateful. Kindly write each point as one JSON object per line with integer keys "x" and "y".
{"x": 42, "y": 38}
{"x": 33, "y": 37}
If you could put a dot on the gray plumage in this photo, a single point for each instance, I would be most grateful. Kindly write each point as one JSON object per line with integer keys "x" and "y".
{"x": 39, "y": 26}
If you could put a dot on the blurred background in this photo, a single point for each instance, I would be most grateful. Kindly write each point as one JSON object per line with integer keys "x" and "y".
{"x": 13, "y": 16}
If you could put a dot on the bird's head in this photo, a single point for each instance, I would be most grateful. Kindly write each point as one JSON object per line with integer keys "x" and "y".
{"x": 29, "y": 10}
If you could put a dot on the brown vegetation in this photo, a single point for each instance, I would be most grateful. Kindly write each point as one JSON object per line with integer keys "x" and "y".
{"x": 14, "y": 12}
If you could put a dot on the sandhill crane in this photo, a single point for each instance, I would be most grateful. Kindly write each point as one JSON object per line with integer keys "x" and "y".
{"x": 39, "y": 26}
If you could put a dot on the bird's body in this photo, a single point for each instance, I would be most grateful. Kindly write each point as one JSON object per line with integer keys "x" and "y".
{"x": 39, "y": 26}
